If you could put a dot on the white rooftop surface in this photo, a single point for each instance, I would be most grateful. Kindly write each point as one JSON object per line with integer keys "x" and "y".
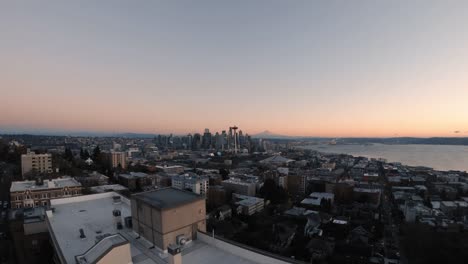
{"x": 94, "y": 213}
{"x": 201, "y": 252}
{"x": 18, "y": 186}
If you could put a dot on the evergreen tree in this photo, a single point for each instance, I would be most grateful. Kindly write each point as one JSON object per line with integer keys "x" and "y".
{"x": 97, "y": 154}
{"x": 68, "y": 154}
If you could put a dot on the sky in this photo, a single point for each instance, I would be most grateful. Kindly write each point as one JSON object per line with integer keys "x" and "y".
{"x": 301, "y": 68}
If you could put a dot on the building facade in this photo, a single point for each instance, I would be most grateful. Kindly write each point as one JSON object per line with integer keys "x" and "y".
{"x": 29, "y": 194}
{"x": 116, "y": 159}
{"x": 248, "y": 205}
{"x": 192, "y": 182}
{"x": 240, "y": 187}
{"x": 168, "y": 216}
{"x": 41, "y": 163}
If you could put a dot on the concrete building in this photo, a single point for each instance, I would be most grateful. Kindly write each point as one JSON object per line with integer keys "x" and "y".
{"x": 175, "y": 169}
{"x": 116, "y": 158}
{"x": 26, "y": 194}
{"x": 108, "y": 188}
{"x": 93, "y": 179}
{"x": 191, "y": 181}
{"x": 41, "y": 163}
{"x": 168, "y": 216}
{"x": 162, "y": 180}
{"x": 315, "y": 199}
{"x": 238, "y": 186}
{"x": 248, "y": 205}
{"x": 135, "y": 180}
{"x": 87, "y": 229}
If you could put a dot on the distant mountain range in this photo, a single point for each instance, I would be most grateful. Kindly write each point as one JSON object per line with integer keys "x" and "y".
{"x": 271, "y": 135}
{"x": 81, "y": 134}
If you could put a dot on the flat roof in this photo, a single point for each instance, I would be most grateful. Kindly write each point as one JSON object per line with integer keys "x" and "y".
{"x": 21, "y": 186}
{"x": 167, "y": 198}
{"x": 93, "y": 213}
{"x": 205, "y": 253}
{"x": 108, "y": 188}
{"x": 246, "y": 200}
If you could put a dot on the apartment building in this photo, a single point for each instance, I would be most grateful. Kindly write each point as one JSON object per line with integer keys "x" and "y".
{"x": 116, "y": 159}
{"x": 239, "y": 186}
{"x": 248, "y": 205}
{"x": 41, "y": 163}
{"x": 191, "y": 181}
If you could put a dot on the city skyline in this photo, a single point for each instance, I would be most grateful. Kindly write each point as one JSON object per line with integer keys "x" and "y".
{"x": 323, "y": 69}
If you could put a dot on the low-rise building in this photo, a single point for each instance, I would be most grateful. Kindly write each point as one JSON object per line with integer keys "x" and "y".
{"x": 248, "y": 205}
{"x": 108, "y": 228}
{"x": 191, "y": 181}
{"x": 24, "y": 194}
{"x": 316, "y": 198}
{"x": 93, "y": 179}
{"x": 235, "y": 185}
{"x": 174, "y": 169}
{"x": 134, "y": 180}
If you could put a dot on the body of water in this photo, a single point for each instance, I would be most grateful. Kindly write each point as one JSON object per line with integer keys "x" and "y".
{"x": 440, "y": 157}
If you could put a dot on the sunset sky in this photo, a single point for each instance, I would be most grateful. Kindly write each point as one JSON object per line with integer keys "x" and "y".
{"x": 310, "y": 68}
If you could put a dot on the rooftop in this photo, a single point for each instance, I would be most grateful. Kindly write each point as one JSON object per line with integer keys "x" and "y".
{"x": 108, "y": 188}
{"x": 167, "y": 198}
{"x": 21, "y": 186}
{"x": 134, "y": 175}
{"x": 238, "y": 181}
{"x": 246, "y": 200}
{"x": 277, "y": 159}
{"x": 93, "y": 214}
{"x": 367, "y": 190}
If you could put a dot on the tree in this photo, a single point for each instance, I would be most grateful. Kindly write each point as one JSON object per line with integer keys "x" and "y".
{"x": 84, "y": 154}
{"x": 224, "y": 173}
{"x": 68, "y": 154}
{"x": 97, "y": 154}
{"x": 274, "y": 193}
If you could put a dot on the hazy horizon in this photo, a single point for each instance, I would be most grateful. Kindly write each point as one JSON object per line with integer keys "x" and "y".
{"x": 297, "y": 68}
